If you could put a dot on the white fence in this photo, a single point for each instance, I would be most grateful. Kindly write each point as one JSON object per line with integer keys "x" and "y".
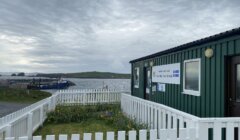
{"x": 158, "y": 116}
{"x": 25, "y": 121}
{"x": 168, "y": 123}
{"x": 219, "y": 128}
{"x": 89, "y": 96}
{"x": 120, "y": 135}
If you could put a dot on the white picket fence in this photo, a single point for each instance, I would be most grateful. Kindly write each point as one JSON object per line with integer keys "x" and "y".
{"x": 158, "y": 116}
{"x": 168, "y": 123}
{"x": 25, "y": 121}
{"x": 88, "y": 97}
{"x": 221, "y": 128}
{"x": 120, "y": 135}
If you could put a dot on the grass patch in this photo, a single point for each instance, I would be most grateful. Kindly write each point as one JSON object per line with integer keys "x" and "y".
{"x": 87, "y": 119}
{"x": 89, "y": 126}
{"x": 22, "y": 95}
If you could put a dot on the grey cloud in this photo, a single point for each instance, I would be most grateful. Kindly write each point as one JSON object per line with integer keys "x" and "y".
{"x": 86, "y": 35}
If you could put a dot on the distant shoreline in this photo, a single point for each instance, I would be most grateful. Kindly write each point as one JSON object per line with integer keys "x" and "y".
{"x": 87, "y": 75}
{"x": 96, "y": 78}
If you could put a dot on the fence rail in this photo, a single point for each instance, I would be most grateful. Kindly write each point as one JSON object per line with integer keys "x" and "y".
{"x": 120, "y": 135}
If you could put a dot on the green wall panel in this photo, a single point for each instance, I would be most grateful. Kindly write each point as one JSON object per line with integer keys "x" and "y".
{"x": 211, "y": 103}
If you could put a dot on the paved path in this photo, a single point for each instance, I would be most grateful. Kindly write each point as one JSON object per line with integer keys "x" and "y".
{"x": 7, "y": 108}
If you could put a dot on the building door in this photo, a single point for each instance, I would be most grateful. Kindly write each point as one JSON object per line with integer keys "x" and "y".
{"x": 147, "y": 83}
{"x": 234, "y": 87}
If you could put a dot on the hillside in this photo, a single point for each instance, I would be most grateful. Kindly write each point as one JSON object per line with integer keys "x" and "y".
{"x": 94, "y": 74}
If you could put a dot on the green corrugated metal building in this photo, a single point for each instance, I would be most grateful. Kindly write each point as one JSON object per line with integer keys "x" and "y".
{"x": 201, "y": 78}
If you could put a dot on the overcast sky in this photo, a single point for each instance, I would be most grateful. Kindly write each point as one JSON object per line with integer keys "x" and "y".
{"x": 102, "y": 35}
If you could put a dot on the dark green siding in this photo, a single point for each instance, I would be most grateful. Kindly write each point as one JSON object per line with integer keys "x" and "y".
{"x": 211, "y": 103}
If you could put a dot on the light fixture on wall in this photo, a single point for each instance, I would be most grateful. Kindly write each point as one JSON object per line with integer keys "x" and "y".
{"x": 151, "y": 63}
{"x": 209, "y": 52}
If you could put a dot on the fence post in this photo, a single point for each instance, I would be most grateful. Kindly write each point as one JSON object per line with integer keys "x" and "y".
{"x": 202, "y": 131}
{"x": 29, "y": 126}
{"x": 49, "y": 103}
{"x": 84, "y": 98}
{"x": 8, "y": 131}
{"x": 1, "y": 121}
{"x": 153, "y": 134}
{"x": 108, "y": 96}
{"x": 54, "y": 102}
{"x": 41, "y": 115}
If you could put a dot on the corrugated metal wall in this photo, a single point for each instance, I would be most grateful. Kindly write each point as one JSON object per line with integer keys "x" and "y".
{"x": 211, "y": 102}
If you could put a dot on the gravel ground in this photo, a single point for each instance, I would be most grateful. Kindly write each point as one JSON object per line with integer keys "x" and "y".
{"x": 7, "y": 108}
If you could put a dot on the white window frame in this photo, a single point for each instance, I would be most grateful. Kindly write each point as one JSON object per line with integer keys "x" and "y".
{"x": 187, "y": 91}
{"x": 138, "y": 72}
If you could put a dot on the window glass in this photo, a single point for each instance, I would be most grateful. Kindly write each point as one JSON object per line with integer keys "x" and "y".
{"x": 238, "y": 83}
{"x": 136, "y": 77}
{"x": 192, "y": 75}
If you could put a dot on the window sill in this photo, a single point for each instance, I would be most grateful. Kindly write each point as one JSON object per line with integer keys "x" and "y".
{"x": 194, "y": 93}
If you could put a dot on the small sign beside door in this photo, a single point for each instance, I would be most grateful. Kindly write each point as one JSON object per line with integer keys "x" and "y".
{"x": 147, "y": 90}
{"x": 161, "y": 87}
{"x": 154, "y": 88}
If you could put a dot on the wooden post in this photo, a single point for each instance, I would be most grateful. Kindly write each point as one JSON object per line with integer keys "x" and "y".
{"x": 41, "y": 115}
{"x": 75, "y": 137}
{"x": 1, "y": 121}
{"x": 110, "y": 135}
{"x": 10, "y": 138}
{"x": 23, "y": 138}
{"x": 121, "y": 135}
{"x": 108, "y": 97}
{"x": 84, "y": 98}
{"x": 132, "y": 135}
{"x": 54, "y": 101}
{"x": 87, "y": 136}
{"x": 153, "y": 134}
{"x": 142, "y": 135}
{"x": 29, "y": 126}
{"x": 99, "y": 136}
{"x": 9, "y": 131}
{"x": 203, "y": 131}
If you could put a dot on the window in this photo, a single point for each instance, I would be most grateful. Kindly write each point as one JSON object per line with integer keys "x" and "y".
{"x": 191, "y": 77}
{"x": 136, "y": 78}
